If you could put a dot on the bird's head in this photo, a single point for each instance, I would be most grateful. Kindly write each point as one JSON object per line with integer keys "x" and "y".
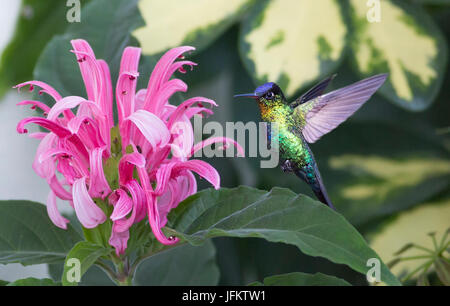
{"x": 268, "y": 94}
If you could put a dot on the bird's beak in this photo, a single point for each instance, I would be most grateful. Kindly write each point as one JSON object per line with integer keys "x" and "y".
{"x": 249, "y": 95}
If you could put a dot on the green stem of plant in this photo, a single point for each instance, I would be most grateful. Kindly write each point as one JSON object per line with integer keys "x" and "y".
{"x": 414, "y": 257}
{"x": 443, "y": 239}
{"x": 423, "y": 266}
{"x": 423, "y": 248}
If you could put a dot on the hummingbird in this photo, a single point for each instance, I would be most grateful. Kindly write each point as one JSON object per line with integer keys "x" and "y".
{"x": 308, "y": 118}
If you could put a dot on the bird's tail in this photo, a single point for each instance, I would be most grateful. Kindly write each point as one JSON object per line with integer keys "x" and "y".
{"x": 317, "y": 186}
{"x": 321, "y": 193}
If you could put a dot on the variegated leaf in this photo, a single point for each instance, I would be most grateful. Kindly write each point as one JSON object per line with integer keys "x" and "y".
{"x": 171, "y": 23}
{"x": 412, "y": 227}
{"x": 293, "y": 42}
{"x": 394, "y": 37}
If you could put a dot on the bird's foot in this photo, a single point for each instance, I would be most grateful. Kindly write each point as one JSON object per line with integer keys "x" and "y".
{"x": 287, "y": 166}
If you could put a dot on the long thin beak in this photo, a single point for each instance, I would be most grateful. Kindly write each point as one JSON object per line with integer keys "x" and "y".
{"x": 249, "y": 95}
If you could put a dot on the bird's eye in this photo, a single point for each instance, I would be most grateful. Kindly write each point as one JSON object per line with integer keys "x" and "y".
{"x": 269, "y": 95}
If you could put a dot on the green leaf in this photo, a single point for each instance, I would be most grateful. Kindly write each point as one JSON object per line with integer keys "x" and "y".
{"x": 3, "y": 283}
{"x": 184, "y": 265}
{"x": 172, "y": 23}
{"x": 288, "y": 43}
{"x": 304, "y": 279}
{"x": 82, "y": 256}
{"x": 277, "y": 216}
{"x": 31, "y": 281}
{"x": 95, "y": 276}
{"x": 39, "y": 21}
{"x": 27, "y": 235}
{"x": 407, "y": 44}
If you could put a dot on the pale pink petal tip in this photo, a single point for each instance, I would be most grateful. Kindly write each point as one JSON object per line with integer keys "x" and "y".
{"x": 89, "y": 214}
{"x": 53, "y": 212}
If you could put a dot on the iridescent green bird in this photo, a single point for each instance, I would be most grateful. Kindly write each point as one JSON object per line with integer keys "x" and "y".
{"x": 307, "y": 119}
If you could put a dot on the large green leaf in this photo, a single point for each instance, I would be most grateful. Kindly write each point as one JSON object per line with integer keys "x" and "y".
{"x": 407, "y": 44}
{"x": 86, "y": 254}
{"x": 39, "y": 21}
{"x": 289, "y": 43}
{"x": 31, "y": 281}
{"x": 184, "y": 265}
{"x": 172, "y": 23}
{"x": 27, "y": 235}
{"x": 303, "y": 279}
{"x": 277, "y": 216}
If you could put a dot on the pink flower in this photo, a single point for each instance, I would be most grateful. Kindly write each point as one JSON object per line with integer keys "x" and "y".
{"x": 86, "y": 159}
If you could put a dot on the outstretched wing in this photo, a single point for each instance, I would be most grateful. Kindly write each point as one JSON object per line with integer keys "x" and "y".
{"x": 326, "y": 112}
{"x": 314, "y": 92}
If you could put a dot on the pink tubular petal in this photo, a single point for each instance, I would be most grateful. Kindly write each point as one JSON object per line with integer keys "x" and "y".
{"x": 182, "y": 138}
{"x": 139, "y": 99}
{"x": 224, "y": 140}
{"x": 90, "y": 69}
{"x": 202, "y": 168}
{"x": 76, "y": 162}
{"x": 87, "y": 129}
{"x": 178, "y": 113}
{"x": 166, "y": 91}
{"x": 72, "y": 102}
{"x": 179, "y": 66}
{"x": 163, "y": 176}
{"x": 126, "y": 166}
{"x": 52, "y": 126}
{"x": 126, "y": 85}
{"x": 162, "y": 74}
{"x": 35, "y": 104}
{"x": 89, "y": 214}
{"x": 98, "y": 185}
{"x": 106, "y": 98}
{"x": 138, "y": 196}
{"x": 154, "y": 220}
{"x": 58, "y": 189}
{"x": 38, "y": 135}
{"x": 45, "y": 169}
{"x": 192, "y": 183}
{"x": 151, "y": 127}
{"x": 53, "y": 212}
{"x": 191, "y": 111}
{"x": 119, "y": 241}
{"x": 166, "y": 201}
{"x": 123, "y": 205}
{"x": 45, "y": 88}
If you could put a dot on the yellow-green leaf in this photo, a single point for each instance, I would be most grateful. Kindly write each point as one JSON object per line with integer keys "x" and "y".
{"x": 412, "y": 227}
{"x": 172, "y": 23}
{"x": 407, "y": 44}
{"x": 289, "y": 42}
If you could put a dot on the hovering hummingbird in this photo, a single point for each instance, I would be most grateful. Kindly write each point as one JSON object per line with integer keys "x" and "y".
{"x": 307, "y": 119}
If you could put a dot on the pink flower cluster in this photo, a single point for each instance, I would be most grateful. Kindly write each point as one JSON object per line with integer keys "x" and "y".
{"x": 153, "y": 172}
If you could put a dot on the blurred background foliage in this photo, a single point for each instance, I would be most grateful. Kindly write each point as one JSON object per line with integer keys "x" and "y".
{"x": 387, "y": 169}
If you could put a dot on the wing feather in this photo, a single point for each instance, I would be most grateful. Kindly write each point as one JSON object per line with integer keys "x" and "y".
{"x": 326, "y": 112}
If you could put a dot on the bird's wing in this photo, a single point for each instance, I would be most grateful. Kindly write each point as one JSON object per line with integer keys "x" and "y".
{"x": 314, "y": 92}
{"x": 324, "y": 113}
